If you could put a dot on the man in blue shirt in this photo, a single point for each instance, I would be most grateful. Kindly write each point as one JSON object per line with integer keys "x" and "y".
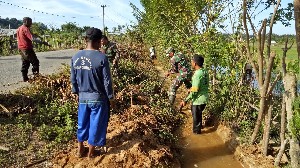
{"x": 91, "y": 81}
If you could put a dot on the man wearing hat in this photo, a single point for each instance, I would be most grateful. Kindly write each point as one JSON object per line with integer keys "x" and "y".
{"x": 179, "y": 65}
{"x": 92, "y": 82}
{"x": 198, "y": 92}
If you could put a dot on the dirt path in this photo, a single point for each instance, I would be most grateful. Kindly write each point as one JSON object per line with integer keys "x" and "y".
{"x": 204, "y": 150}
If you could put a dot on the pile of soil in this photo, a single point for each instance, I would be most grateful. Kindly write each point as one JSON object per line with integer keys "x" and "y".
{"x": 131, "y": 142}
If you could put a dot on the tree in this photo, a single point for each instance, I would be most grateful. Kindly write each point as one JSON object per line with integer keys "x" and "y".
{"x": 263, "y": 68}
{"x": 297, "y": 25}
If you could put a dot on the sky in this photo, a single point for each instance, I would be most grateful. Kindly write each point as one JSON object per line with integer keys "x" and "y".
{"x": 89, "y": 13}
{"x": 83, "y": 12}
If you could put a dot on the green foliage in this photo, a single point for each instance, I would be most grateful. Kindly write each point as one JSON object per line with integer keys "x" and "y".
{"x": 69, "y": 36}
{"x": 295, "y": 121}
{"x": 13, "y": 22}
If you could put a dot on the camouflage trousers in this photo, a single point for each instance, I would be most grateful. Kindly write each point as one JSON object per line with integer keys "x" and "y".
{"x": 177, "y": 82}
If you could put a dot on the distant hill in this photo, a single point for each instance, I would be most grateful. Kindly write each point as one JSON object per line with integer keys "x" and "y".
{"x": 13, "y": 22}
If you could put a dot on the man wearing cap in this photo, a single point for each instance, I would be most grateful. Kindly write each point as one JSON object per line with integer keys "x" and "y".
{"x": 179, "y": 65}
{"x": 111, "y": 51}
{"x": 91, "y": 81}
{"x": 25, "y": 47}
{"x": 198, "y": 92}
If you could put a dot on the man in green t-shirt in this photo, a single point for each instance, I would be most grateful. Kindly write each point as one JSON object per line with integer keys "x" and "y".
{"x": 198, "y": 93}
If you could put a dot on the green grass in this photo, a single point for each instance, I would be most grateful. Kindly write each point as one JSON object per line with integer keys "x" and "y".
{"x": 291, "y": 54}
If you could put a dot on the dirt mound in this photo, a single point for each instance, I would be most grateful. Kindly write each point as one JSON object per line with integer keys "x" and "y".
{"x": 131, "y": 142}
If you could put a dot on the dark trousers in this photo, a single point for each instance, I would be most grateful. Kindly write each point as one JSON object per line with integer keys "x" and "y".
{"x": 29, "y": 57}
{"x": 197, "y": 117}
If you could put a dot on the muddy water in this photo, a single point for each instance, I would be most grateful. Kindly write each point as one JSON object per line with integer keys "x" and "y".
{"x": 206, "y": 150}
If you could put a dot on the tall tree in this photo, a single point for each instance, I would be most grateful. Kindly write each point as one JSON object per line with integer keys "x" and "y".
{"x": 297, "y": 25}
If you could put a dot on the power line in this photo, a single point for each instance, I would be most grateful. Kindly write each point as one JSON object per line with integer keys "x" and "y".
{"x": 46, "y": 13}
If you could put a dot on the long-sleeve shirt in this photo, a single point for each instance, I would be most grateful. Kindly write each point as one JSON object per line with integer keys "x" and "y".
{"x": 199, "y": 90}
{"x": 24, "y": 38}
{"x": 90, "y": 74}
{"x": 180, "y": 65}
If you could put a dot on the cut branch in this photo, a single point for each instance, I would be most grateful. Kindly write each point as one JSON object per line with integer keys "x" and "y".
{"x": 280, "y": 153}
{"x": 271, "y": 28}
{"x": 272, "y": 86}
{"x": 252, "y": 105}
{"x": 252, "y": 25}
{"x": 248, "y": 39}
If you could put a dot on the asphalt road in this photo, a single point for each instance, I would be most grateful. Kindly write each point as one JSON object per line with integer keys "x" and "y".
{"x": 10, "y": 68}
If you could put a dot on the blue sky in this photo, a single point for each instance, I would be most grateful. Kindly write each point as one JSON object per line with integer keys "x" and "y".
{"x": 89, "y": 12}
{"x": 83, "y": 12}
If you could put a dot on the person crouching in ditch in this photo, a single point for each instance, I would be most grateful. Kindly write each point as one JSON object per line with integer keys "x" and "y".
{"x": 198, "y": 93}
{"x": 92, "y": 82}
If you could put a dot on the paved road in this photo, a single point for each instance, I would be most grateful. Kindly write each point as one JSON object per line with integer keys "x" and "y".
{"x": 10, "y": 66}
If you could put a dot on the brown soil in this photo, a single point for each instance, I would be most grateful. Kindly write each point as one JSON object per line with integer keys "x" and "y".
{"x": 131, "y": 143}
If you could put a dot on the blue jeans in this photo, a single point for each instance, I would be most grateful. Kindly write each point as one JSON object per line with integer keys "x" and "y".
{"x": 92, "y": 121}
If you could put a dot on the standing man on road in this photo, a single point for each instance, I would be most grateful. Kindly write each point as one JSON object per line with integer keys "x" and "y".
{"x": 25, "y": 47}
{"x": 111, "y": 51}
{"x": 198, "y": 93}
{"x": 91, "y": 81}
{"x": 181, "y": 67}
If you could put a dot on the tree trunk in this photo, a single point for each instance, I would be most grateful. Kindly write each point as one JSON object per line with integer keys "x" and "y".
{"x": 297, "y": 25}
{"x": 214, "y": 76}
{"x": 266, "y": 136}
{"x": 289, "y": 81}
{"x": 262, "y": 107}
{"x": 282, "y": 132}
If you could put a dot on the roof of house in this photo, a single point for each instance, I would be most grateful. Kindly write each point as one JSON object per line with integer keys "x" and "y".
{"x": 273, "y": 41}
{"x": 8, "y": 32}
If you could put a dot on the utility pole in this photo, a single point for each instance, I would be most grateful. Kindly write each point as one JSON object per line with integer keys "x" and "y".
{"x": 103, "y": 6}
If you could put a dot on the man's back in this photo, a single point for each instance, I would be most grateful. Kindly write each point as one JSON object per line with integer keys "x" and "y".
{"x": 91, "y": 73}
{"x": 24, "y": 38}
{"x": 180, "y": 63}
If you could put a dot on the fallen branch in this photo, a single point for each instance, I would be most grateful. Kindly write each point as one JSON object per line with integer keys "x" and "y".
{"x": 280, "y": 153}
{"x": 6, "y": 110}
{"x": 252, "y": 105}
{"x": 36, "y": 162}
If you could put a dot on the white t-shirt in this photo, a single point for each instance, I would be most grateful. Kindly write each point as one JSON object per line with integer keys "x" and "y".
{"x": 152, "y": 51}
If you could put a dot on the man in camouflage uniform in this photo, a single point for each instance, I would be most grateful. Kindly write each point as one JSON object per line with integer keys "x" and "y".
{"x": 179, "y": 65}
{"x": 111, "y": 51}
